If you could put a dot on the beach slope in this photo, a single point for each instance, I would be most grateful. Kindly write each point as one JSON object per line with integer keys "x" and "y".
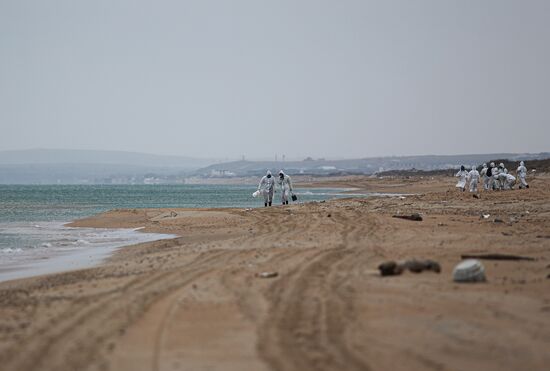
{"x": 197, "y": 302}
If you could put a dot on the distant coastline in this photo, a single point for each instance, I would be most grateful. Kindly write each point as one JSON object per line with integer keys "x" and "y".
{"x": 111, "y": 167}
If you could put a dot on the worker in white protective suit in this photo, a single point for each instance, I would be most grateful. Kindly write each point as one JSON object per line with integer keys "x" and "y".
{"x": 496, "y": 182}
{"x": 267, "y": 187}
{"x": 484, "y": 177}
{"x": 473, "y": 176}
{"x": 491, "y": 180}
{"x": 461, "y": 175}
{"x": 286, "y": 187}
{"x": 509, "y": 181}
{"x": 502, "y": 171}
{"x": 522, "y": 173}
{"x": 502, "y": 178}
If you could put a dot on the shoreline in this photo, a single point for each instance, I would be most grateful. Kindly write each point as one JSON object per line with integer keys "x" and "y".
{"x": 88, "y": 255}
{"x": 38, "y": 263}
{"x": 196, "y": 300}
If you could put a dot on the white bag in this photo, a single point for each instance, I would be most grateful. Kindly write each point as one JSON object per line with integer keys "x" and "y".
{"x": 256, "y": 194}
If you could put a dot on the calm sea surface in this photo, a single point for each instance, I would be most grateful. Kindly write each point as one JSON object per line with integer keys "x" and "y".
{"x": 32, "y": 217}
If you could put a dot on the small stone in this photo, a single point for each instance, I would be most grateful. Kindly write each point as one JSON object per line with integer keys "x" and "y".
{"x": 267, "y": 274}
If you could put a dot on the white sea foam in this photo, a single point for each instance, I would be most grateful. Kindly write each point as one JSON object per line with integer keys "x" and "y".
{"x": 9, "y": 250}
{"x": 54, "y": 247}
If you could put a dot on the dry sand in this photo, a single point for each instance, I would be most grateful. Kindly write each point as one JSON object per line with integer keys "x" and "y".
{"x": 194, "y": 302}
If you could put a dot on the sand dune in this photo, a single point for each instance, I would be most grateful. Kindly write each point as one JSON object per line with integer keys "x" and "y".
{"x": 195, "y": 302}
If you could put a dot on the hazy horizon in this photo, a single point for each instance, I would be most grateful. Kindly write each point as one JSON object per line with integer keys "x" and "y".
{"x": 205, "y": 79}
{"x": 265, "y": 158}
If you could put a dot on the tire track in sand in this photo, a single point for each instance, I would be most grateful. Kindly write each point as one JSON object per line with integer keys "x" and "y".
{"x": 311, "y": 309}
{"x": 85, "y": 322}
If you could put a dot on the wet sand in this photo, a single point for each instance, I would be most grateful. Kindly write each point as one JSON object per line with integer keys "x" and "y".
{"x": 100, "y": 246}
{"x": 195, "y": 303}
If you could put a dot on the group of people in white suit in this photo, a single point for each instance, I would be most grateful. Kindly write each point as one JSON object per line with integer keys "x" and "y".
{"x": 493, "y": 177}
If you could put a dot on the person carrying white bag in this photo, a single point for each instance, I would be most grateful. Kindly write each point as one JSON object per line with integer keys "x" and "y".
{"x": 266, "y": 187}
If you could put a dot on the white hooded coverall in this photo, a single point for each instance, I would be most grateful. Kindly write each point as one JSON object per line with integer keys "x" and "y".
{"x": 286, "y": 186}
{"x": 267, "y": 186}
{"x": 485, "y": 178}
{"x": 491, "y": 175}
{"x": 462, "y": 175}
{"x": 496, "y": 183}
{"x": 522, "y": 173}
{"x": 502, "y": 171}
{"x": 510, "y": 181}
{"x": 473, "y": 175}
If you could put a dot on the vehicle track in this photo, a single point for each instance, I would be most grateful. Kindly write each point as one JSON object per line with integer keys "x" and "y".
{"x": 310, "y": 308}
{"x": 68, "y": 344}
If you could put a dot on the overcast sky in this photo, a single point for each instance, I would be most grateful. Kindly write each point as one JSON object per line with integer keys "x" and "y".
{"x": 258, "y": 78}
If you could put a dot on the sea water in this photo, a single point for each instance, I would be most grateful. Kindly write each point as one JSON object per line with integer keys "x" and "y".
{"x": 34, "y": 239}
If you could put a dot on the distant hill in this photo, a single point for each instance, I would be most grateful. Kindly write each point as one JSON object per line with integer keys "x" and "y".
{"x": 359, "y": 166}
{"x": 44, "y": 166}
{"x": 49, "y": 166}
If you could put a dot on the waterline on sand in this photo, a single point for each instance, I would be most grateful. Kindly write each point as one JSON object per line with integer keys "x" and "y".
{"x": 51, "y": 247}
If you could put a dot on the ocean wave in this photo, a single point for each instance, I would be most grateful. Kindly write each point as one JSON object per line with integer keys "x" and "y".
{"x": 9, "y": 250}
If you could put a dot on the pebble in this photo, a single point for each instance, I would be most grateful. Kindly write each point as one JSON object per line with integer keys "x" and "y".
{"x": 267, "y": 274}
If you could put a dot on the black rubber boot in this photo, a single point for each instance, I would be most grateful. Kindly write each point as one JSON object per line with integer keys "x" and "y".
{"x": 269, "y": 203}
{"x": 265, "y": 204}
{"x": 286, "y": 202}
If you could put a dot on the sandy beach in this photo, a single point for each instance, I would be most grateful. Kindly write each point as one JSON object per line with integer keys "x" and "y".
{"x": 196, "y": 302}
